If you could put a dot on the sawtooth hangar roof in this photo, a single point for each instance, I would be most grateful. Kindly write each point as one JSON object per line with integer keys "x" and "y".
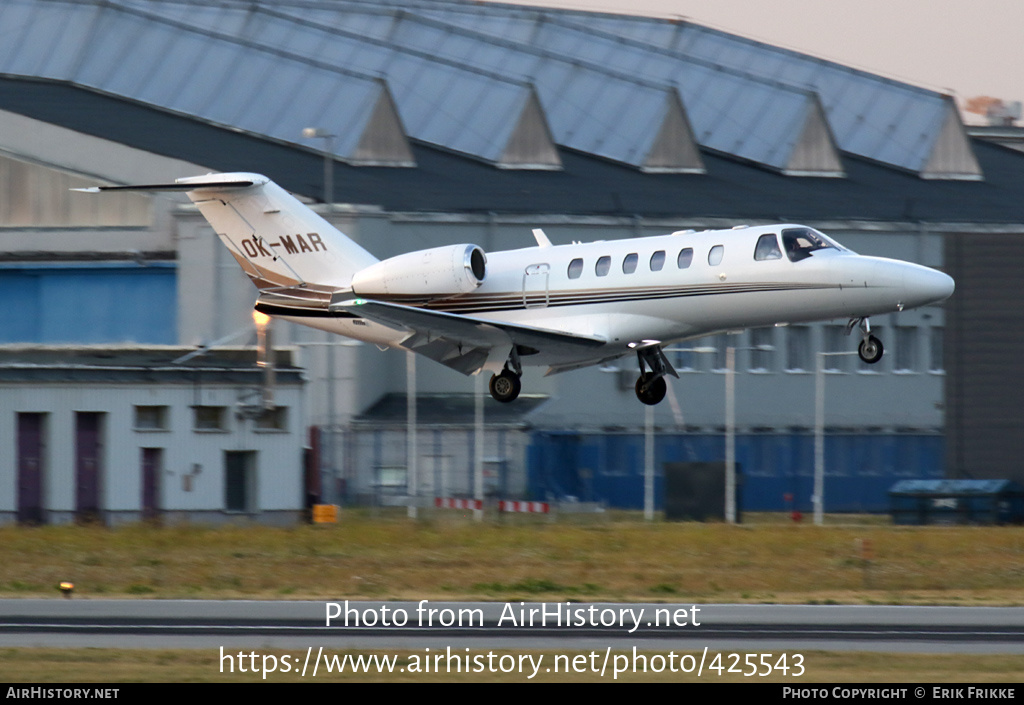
{"x": 465, "y": 106}
{"x": 503, "y": 84}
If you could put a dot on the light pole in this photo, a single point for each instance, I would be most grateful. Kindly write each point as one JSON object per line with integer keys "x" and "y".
{"x": 818, "y": 498}
{"x": 412, "y": 478}
{"x": 328, "y": 137}
{"x": 730, "y": 427}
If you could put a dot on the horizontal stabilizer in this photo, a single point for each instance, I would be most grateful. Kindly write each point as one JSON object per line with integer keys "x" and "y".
{"x": 181, "y": 185}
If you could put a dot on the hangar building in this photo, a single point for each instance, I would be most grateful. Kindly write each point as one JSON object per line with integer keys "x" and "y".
{"x": 443, "y": 121}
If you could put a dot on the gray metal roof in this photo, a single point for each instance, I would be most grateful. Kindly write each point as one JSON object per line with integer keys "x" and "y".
{"x": 141, "y": 56}
{"x": 500, "y": 83}
{"x": 889, "y": 121}
{"x": 873, "y": 117}
{"x": 147, "y": 365}
{"x": 768, "y": 123}
{"x": 448, "y": 104}
{"x": 616, "y": 117}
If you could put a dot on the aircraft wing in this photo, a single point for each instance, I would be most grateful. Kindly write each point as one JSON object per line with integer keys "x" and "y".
{"x": 461, "y": 342}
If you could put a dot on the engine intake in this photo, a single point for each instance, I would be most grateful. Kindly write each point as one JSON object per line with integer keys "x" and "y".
{"x": 431, "y": 274}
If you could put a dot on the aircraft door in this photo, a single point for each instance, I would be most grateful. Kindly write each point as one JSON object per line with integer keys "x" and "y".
{"x": 535, "y": 285}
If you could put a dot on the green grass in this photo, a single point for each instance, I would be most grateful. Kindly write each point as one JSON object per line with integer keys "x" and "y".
{"x": 448, "y": 556}
{"x": 114, "y": 666}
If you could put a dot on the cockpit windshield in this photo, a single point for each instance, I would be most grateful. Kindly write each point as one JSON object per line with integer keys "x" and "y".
{"x": 799, "y": 243}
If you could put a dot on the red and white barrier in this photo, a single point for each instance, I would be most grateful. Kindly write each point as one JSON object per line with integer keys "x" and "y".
{"x": 454, "y": 503}
{"x": 511, "y": 505}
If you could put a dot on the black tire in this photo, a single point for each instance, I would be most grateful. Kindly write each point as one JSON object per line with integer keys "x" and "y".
{"x": 505, "y": 386}
{"x": 654, "y": 392}
{"x": 870, "y": 350}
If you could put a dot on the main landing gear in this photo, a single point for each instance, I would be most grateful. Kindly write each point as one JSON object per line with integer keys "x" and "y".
{"x": 650, "y": 386}
{"x": 870, "y": 349}
{"x": 506, "y": 385}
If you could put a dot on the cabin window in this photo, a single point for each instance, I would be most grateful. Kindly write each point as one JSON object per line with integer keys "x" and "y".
{"x": 685, "y": 258}
{"x": 575, "y": 268}
{"x": 604, "y": 264}
{"x": 801, "y": 242}
{"x": 657, "y": 261}
{"x": 629, "y": 264}
{"x": 716, "y": 254}
{"x": 767, "y": 248}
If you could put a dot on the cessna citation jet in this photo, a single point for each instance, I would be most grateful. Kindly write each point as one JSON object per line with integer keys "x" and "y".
{"x": 563, "y": 306}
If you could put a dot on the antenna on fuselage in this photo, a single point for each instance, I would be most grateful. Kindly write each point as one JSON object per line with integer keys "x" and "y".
{"x": 541, "y": 238}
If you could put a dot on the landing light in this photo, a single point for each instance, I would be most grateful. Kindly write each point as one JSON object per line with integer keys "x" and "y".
{"x": 260, "y": 319}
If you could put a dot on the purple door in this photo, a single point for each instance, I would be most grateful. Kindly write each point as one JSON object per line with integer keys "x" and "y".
{"x": 152, "y": 462}
{"x": 30, "y": 467}
{"x": 88, "y": 457}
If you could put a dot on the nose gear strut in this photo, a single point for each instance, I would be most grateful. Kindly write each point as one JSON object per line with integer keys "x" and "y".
{"x": 870, "y": 349}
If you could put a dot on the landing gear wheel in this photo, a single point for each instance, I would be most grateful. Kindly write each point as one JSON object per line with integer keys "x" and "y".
{"x": 650, "y": 391}
{"x": 505, "y": 386}
{"x": 870, "y": 350}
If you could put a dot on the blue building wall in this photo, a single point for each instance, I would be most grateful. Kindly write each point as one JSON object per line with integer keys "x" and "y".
{"x": 859, "y": 468}
{"x": 88, "y": 303}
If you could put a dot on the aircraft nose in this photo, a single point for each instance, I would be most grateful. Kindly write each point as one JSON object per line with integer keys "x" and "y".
{"x": 923, "y": 286}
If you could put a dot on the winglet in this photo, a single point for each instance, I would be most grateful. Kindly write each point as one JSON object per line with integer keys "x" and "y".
{"x": 541, "y": 238}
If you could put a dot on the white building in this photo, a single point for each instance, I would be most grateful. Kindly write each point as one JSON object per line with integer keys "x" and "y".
{"x": 116, "y": 434}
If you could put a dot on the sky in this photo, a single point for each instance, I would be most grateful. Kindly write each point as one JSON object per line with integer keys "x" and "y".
{"x": 959, "y": 47}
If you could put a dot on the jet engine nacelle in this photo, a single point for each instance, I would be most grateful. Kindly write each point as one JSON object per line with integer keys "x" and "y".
{"x": 433, "y": 273}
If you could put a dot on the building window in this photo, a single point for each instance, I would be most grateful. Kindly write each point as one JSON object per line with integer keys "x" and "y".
{"x": 906, "y": 349}
{"x": 836, "y": 341}
{"x": 657, "y": 261}
{"x": 152, "y": 418}
{"x": 685, "y": 258}
{"x": 720, "y": 363}
{"x": 275, "y": 419}
{"x": 798, "y": 349}
{"x": 575, "y": 268}
{"x": 685, "y": 361}
{"x": 716, "y": 254}
{"x": 629, "y": 264}
{"x": 935, "y": 342}
{"x": 762, "y": 354}
{"x": 603, "y": 266}
{"x": 210, "y": 418}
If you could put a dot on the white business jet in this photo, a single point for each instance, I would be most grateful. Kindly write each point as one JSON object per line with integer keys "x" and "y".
{"x": 562, "y": 306}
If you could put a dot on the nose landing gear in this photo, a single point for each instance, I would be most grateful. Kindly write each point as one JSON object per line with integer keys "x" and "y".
{"x": 870, "y": 349}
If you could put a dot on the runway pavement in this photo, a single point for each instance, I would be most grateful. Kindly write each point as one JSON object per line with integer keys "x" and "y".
{"x": 512, "y": 625}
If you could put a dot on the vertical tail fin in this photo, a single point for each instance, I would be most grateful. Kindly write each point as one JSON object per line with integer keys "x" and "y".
{"x": 279, "y": 242}
{"x": 285, "y": 248}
